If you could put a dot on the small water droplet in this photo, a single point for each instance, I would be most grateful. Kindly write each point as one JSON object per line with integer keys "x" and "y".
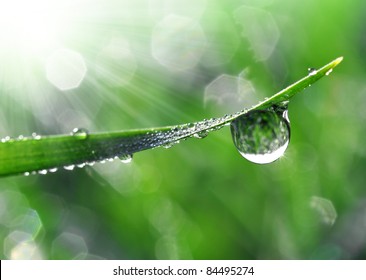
{"x": 20, "y": 137}
{"x": 81, "y": 165}
{"x": 80, "y": 133}
{"x": 52, "y": 170}
{"x": 36, "y": 136}
{"x": 126, "y": 158}
{"x": 200, "y": 135}
{"x": 26, "y": 173}
{"x": 90, "y": 163}
{"x": 42, "y": 172}
{"x": 191, "y": 125}
{"x": 329, "y": 71}
{"x": 168, "y": 145}
{"x": 261, "y": 136}
{"x": 312, "y": 71}
{"x": 69, "y": 167}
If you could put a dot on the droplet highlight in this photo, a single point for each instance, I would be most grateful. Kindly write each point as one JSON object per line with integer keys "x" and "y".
{"x": 312, "y": 71}
{"x": 69, "y": 167}
{"x": 42, "y": 172}
{"x": 126, "y": 158}
{"x": 200, "y": 135}
{"x": 262, "y": 136}
{"x": 80, "y": 133}
{"x": 329, "y": 71}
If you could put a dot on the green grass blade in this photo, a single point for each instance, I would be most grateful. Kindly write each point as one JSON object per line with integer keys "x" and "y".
{"x": 29, "y": 155}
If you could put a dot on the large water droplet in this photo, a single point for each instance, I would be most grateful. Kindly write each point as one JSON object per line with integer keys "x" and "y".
{"x": 261, "y": 136}
{"x": 80, "y": 133}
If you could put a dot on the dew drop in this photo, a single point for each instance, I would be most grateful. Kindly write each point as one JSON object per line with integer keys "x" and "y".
{"x": 261, "y": 136}
{"x": 191, "y": 125}
{"x": 81, "y": 165}
{"x": 329, "y": 71}
{"x": 312, "y": 71}
{"x": 52, "y": 170}
{"x": 126, "y": 158}
{"x": 26, "y": 173}
{"x": 168, "y": 145}
{"x": 69, "y": 167}
{"x": 80, "y": 133}
{"x": 200, "y": 135}
{"x": 43, "y": 172}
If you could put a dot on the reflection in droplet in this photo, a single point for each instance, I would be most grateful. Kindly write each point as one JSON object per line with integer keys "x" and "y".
{"x": 261, "y": 136}
{"x": 329, "y": 71}
{"x": 80, "y": 133}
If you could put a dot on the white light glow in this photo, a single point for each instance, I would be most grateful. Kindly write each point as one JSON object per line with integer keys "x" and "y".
{"x": 65, "y": 69}
{"x": 27, "y": 24}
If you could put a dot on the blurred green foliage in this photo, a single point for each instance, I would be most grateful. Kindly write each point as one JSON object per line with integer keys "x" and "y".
{"x": 199, "y": 199}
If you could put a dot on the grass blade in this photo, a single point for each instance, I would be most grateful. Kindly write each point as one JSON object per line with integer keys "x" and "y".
{"x": 29, "y": 155}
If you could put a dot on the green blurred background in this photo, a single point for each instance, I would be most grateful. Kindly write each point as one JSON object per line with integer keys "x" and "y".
{"x": 117, "y": 64}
